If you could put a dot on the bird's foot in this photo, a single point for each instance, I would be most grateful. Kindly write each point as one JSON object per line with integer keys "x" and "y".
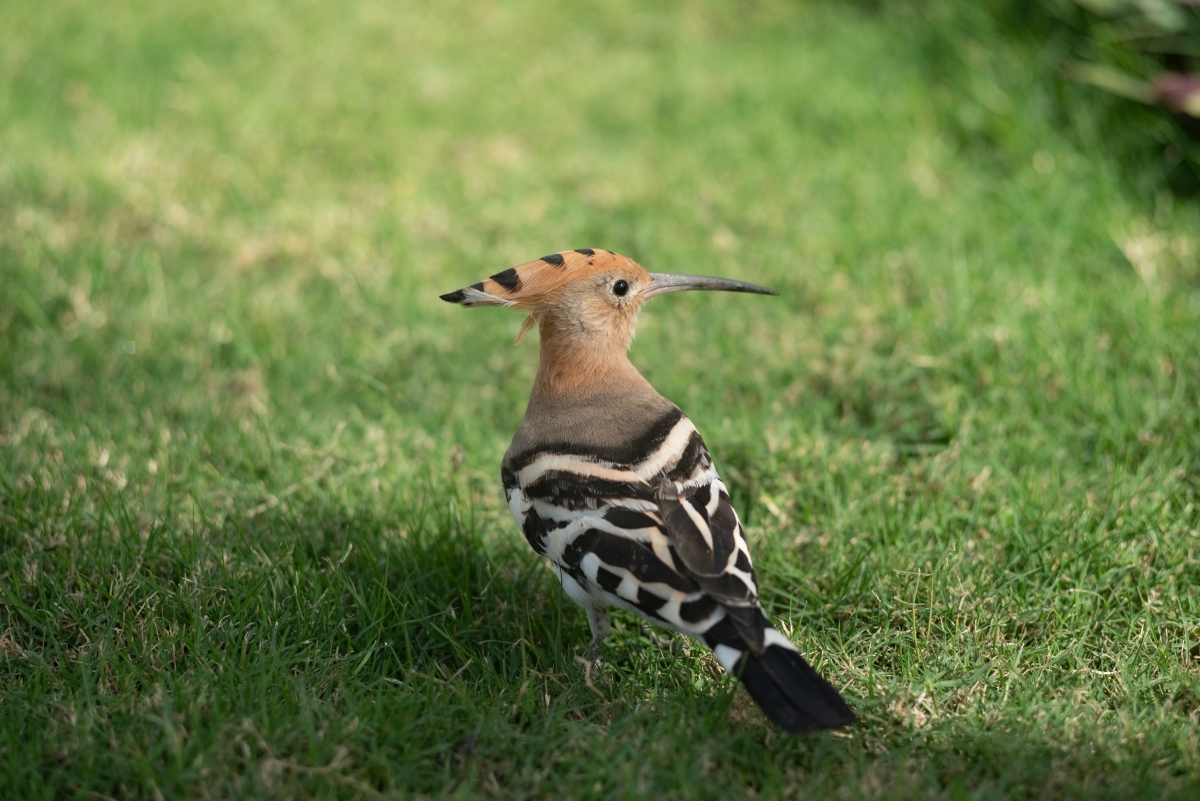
{"x": 592, "y": 654}
{"x": 669, "y": 643}
{"x": 591, "y": 668}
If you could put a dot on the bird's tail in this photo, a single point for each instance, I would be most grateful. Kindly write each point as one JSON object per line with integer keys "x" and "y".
{"x": 787, "y": 689}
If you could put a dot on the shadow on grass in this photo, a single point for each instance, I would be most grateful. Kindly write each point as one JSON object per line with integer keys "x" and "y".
{"x": 359, "y": 653}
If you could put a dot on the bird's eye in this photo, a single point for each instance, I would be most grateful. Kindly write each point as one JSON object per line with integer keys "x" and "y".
{"x": 620, "y": 288}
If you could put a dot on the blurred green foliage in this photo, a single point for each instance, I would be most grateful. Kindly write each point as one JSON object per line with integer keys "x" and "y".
{"x": 1141, "y": 62}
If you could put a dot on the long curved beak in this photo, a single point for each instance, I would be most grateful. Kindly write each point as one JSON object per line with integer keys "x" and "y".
{"x": 666, "y": 282}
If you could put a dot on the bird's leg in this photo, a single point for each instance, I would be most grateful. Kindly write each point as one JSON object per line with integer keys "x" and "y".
{"x": 599, "y": 623}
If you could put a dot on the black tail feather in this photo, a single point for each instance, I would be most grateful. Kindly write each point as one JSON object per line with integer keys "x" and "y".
{"x": 781, "y": 682}
{"x": 793, "y": 695}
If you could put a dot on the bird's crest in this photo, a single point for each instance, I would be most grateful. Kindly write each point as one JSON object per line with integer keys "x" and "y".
{"x": 553, "y": 287}
{"x": 528, "y": 286}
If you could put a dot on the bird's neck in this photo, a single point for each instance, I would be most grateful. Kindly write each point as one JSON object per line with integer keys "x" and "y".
{"x": 574, "y": 366}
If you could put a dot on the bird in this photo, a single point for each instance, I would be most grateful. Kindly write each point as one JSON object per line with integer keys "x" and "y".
{"x": 613, "y": 484}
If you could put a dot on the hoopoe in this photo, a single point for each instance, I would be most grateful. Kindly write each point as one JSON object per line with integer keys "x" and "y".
{"x": 612, "y": 483}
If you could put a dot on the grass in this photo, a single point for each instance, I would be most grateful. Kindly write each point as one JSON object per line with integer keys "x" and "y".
{"x": 252, "y": 540}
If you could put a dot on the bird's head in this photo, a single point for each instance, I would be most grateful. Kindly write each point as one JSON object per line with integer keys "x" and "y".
{"x": 588, "y": 297}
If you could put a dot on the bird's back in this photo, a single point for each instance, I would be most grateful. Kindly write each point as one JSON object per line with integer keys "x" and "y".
{"x": 619, "y": 492}
{"x": 612, "y": 423}
{"x": 583, "y": 481}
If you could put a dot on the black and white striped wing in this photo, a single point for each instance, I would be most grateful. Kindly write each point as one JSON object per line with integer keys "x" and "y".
{"x": 649, "y": 527}
{"x": 599, "y": 517}
{"x": 706, "y": 535}
{"x": 705, "y": 532}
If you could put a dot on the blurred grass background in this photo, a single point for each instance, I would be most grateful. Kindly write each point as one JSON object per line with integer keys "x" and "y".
{"x": 252, "y": 540}
{"x": 1144, "y": 58}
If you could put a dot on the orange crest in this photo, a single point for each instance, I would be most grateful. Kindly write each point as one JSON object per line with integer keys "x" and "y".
{"x": 528, "y": 286}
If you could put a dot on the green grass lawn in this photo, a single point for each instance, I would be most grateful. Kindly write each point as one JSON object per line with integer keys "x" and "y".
{"x": 252, "y": 537}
